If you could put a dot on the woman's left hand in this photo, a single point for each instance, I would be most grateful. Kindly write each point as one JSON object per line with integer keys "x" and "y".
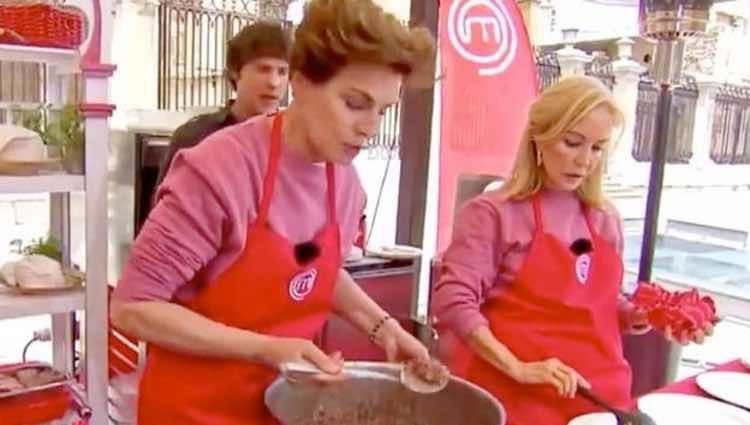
{"x": 686, "y": 337}
{"x": 400, "y": 345}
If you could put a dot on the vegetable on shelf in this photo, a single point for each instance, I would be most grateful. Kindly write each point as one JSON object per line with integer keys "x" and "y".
{"x": 48, "y": 247}
{"x": 61, "y": 130}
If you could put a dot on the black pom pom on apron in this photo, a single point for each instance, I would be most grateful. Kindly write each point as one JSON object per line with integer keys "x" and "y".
{"x": 581, "y": 246}
{"x": 306, "y": 252}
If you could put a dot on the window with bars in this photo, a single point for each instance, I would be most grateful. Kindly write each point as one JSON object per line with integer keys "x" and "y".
{"x": 22, "y": 87}
{"x": 681, "y": 121}
{"x": 193, "y": 35}
{"x": 730, "y": 136}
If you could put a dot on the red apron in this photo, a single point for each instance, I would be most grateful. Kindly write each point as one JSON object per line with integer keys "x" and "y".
{"x": 265, "y": 291}
{"x": 564, "y": 306}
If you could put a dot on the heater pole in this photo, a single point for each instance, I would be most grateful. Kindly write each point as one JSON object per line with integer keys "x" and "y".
{"x": 669, "y": 22}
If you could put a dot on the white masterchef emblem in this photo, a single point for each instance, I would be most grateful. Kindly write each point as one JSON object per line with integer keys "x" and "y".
{"x": 496, "y": 27}
{"x": 302, "y": 284}
{"x": 583, "y": 265}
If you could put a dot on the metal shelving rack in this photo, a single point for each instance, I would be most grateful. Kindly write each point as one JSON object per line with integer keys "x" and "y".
{"x": 91, "y": 301}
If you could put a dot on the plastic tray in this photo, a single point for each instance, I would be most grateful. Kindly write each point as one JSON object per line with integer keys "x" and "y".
{"x": 34, "y": 405}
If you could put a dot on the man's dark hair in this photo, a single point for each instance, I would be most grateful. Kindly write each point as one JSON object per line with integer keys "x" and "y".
{"x": 261, "y": 39}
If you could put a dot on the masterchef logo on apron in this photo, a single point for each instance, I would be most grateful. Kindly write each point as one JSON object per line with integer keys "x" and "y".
{"x": 302, "y": 284}
{"x": 583, "y": 264}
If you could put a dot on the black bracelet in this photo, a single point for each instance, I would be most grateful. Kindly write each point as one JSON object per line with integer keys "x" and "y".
{"x": 376, "y": 328}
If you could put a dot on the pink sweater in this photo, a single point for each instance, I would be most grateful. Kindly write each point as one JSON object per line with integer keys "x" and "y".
{"x": 210, "y": 196}
{"x": 491, "y": 240}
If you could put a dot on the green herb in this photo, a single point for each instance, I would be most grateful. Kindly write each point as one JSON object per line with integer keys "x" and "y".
{"x": 66, "y": 131}
{"x": 32, "y": 119}
{"x": 49, "y": 247}
{"x": 62, "y": 128}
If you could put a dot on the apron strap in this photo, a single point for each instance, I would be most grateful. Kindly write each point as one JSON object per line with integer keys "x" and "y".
{"x": 538, "y": 224}
{"x": 589, "y": 223}
{"x": 331, "y": 183}
{"x": 269, "y": 179}
{"x": 273, "y": 164}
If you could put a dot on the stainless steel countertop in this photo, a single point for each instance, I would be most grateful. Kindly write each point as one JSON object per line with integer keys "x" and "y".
{"x": 376, "y": 266}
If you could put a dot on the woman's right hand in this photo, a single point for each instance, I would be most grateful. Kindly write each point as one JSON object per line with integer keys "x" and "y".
{"x": 276, "y": 351}
{"x": 550, "y": 372}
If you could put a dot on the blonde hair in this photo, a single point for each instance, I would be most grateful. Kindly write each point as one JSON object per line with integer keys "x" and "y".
{"x": 556, "y": 111}
{"x": 334, "y": 33}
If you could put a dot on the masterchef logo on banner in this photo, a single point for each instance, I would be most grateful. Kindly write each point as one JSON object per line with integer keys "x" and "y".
{"x": 488, "y": 82}
{"x": 497, "y": 42}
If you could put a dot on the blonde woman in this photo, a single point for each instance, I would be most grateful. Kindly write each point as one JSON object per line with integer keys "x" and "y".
{"x": 531, "y": 281}
{"x": 239, "y": 264}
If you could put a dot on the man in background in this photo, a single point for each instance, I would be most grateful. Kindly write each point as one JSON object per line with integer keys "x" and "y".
{"x": 257, "y": 66}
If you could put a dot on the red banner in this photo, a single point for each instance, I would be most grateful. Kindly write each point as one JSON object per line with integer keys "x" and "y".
{"x": 488, "y": 82}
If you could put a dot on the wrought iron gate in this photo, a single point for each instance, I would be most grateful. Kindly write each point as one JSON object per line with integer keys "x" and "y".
{"x": 681, "y": 124}
{"x": 730, "y": 141}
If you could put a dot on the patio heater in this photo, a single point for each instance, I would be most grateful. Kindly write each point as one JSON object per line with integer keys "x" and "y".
{"x": 669, "y": 23}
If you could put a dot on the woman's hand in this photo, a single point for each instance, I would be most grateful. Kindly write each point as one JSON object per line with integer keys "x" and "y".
{"x": 354, "y": 305}
{"x": 686, "y": 337}
{"x": 550, "y": 372}
{"x": 400, "y": 345}
{"x": 277, "y": 351}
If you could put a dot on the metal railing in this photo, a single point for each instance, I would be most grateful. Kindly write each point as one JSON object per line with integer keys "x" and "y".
{"x": 681, "y": 123}
{"x": 730, "y": 135}
{"x": 389, "y": 133}
{"x": 601, "y": 67}
{"x": 547, "y": 69}
{"x": 193, "y": 35}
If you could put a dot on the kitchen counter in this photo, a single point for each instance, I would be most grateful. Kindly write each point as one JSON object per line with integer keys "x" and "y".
{"x": 368, "y": 266}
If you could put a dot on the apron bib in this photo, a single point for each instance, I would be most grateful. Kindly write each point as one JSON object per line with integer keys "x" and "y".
{"x": 266, "y": 291}
{"x": 564, "y": 306}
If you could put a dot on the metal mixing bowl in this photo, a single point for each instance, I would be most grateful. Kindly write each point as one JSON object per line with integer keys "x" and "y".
{"x": 380, "y": 400}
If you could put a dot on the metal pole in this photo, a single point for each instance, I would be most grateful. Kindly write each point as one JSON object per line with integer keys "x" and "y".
{"x": 657, "y": 365}
{"x": 656, "y": 181}
{"x": 669, "y": 22}
{"x": 654, "y": 359}
{"x": 415, "y": 124}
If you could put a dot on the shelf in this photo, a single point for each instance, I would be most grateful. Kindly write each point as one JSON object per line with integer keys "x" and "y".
{"x": 65, "y": 59}
{"x": 13, "y": 305}
{"x": 51, "y": 183}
